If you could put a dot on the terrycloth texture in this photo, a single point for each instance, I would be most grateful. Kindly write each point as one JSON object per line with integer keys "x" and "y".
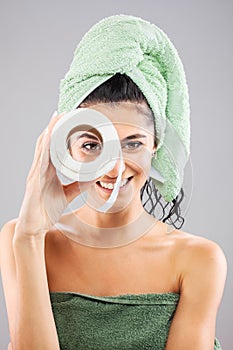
{"x": 131, "y": 45}
{"x": 123, "y": 322}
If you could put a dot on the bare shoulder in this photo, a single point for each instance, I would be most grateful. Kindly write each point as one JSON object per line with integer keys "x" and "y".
{"x": 199, "y": 256}
{"x": 8, "y": 270}
{"x": 8, "y": 226}
{"x": 53, "y": 242}
{"x": 196, "y": 247}
{"x": 6, "y": 237}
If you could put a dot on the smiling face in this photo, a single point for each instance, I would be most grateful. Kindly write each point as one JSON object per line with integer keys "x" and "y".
{"x": 135, "y": 127}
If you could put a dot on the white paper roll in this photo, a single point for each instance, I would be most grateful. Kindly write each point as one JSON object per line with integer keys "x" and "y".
{"x": 87, "y": 171}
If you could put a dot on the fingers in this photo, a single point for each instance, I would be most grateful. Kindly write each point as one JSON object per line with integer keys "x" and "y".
{"x": 54, "y": 119}
{"x": 41, "y": 154}
{"x": 71, "y": 191}
{"x": 45, "y": 152}
{"x": 74, "y": 189}
{"x": 50, "y": 126}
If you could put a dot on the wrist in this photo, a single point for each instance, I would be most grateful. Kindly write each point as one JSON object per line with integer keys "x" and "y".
{"x": 31, "y": 239}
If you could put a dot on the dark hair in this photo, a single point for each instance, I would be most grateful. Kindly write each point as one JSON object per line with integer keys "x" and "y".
{"x": 120, "y": 88}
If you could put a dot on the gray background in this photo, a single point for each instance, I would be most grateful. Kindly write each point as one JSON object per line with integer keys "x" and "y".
{"x": 37, "y": 44}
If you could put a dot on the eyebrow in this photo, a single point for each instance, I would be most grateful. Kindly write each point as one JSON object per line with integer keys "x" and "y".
{"x": 130, "y": 137}
{"x": 90, "y": 136}
{"x": 135, "y": 136}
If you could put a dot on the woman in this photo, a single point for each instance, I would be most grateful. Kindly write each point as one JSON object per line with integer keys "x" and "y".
{"x": 160, "y": 291}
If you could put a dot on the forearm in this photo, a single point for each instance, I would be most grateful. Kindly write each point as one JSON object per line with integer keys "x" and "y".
{"x": 35, "y": 327}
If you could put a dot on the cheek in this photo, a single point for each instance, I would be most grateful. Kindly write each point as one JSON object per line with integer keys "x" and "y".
{"x": 140, "y": 163}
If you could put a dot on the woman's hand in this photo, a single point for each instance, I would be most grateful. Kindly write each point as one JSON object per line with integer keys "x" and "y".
{"x": 45, "y": 198}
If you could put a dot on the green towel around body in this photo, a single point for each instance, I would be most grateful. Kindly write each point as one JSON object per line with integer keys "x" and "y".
{"x": 122, "y": 322}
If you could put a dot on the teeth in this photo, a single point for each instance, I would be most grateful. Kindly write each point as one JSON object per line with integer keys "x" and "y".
{"x": 111, "y": 185}
{"x": 106, "y": 185}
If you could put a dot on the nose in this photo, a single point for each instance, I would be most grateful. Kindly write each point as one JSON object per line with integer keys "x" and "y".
{"x": 115, "y": 171}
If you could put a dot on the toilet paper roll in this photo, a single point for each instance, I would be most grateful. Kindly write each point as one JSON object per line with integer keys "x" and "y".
{"x": 87, "y": 119}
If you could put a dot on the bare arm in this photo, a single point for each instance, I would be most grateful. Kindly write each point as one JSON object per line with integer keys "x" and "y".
{"x": 25, "y": 285}
{"x": 202, "y": 285}
{"x": 35, "y": 327}
{"x": 22, "y": 257}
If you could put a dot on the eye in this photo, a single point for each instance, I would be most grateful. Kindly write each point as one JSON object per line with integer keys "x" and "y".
{"x": 131, "y": 146}
{"x": 91, "y": 147}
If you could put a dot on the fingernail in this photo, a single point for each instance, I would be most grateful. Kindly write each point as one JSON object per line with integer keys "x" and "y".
{"x": 54, "y": 114}
{"x": 46, "y": 132}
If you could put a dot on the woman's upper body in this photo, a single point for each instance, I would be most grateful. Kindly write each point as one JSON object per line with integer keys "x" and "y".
{"x": 37, "y": 259}
{"x": 157, "y": 262}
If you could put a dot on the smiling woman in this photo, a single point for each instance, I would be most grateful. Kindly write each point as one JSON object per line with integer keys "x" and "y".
{"x": 160, "y": 287}
{"x": 130, "y": 125}
{"x": 120, "y": 98}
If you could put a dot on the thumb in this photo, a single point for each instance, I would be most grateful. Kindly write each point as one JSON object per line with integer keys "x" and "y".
{"x": 74, "y": 189}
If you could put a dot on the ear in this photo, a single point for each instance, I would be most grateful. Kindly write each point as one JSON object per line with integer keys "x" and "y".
{"x": 154, "y": 146}
{"x": 154, "y": 150}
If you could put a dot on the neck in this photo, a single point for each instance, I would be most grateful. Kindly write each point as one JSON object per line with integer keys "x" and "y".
{"x": 107, "y": 230}
{"x": 111, "y": 219}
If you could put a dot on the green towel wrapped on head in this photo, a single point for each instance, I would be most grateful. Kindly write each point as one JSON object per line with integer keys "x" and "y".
{"x": 130, "y": 45}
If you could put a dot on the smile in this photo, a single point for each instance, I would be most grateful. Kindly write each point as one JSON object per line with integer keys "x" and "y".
{"x": 110, "y": 185}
